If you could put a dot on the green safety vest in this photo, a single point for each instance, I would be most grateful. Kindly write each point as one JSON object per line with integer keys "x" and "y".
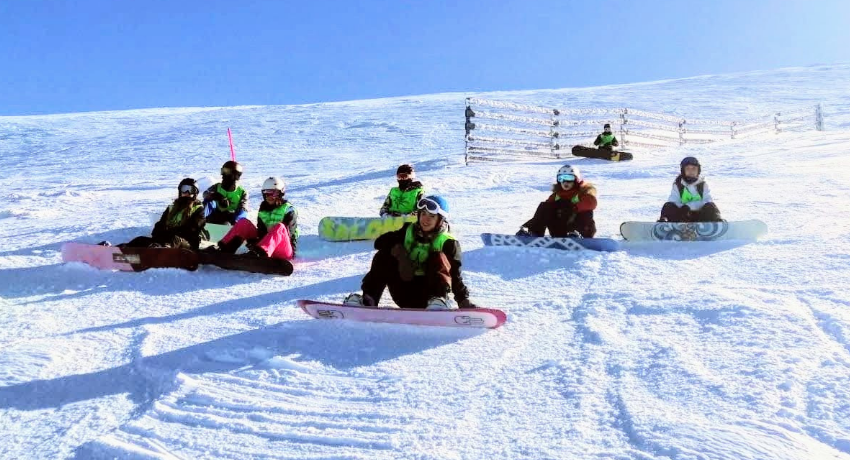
{"x": 403, "y": 202}
{"x": 573, "y": 200}
{"x": 419, "y": 252}
{"x": 687, "y": 196}
{"x": 178, "y": 219}
{"x": 607, "y": 139}
{"x": 275, "y": 216}
{"x": 235, "y": 197}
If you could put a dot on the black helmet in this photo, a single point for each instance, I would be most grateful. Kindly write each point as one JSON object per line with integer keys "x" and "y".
{"x": 607, "y": 126}
{"x": 231, "y": 168}
{"x": 689, "y": 161}
{"x": 404, "y": 169}
{"x": 190, "y": 183}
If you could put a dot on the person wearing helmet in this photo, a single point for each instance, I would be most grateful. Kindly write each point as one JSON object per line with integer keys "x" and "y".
{"x": 226, "y": 201}
{"x": 181, "y": 224}
{"x": 606, "y": 139}
{"x": 276, "y": 232}
{"x": 401, "y": 200}
{"x": 568, "y": 212}
{"x": 690, "y": 199}
{"x": 420, "y": 264}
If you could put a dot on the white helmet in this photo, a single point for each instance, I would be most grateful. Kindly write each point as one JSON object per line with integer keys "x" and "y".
{"x": 274, "y": 183}
{"x": 567, "y": 171}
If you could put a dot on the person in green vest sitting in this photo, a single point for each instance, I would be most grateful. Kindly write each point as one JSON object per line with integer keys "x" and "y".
{"x": 420, "y": 264}
{"x": 226, "y": 201}
{"x": 276, "y": 232}
{"x": 181, "y": 224}
{"x": 690, "y": 199}
{"x": 401, "y": 200}
{"x": 606, "y": 140}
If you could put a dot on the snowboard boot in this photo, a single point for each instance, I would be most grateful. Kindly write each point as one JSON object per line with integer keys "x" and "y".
{"x": 231, "y": 246}
{"x": 356, "y": 300}
{"x": 440, "y": 303}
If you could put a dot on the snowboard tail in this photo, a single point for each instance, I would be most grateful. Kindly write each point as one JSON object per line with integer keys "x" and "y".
{"x": 359, "y": 228}
{"x": 247, "y": 263}
{"x": 547, "y": 242}
{"x": 602, "y": 153}
{"x": 471, "y": 317}
{"x": 129, "y": 259}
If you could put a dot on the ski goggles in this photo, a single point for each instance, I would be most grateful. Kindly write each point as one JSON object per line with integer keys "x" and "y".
{"x": 431, "y": 206}
{"x": 271, "y": 192}
{"x": 403, "y": 176}
{"x": 188, "y": 189}
{"x": 566, "y": 178}
{"x": 231, "y": 172}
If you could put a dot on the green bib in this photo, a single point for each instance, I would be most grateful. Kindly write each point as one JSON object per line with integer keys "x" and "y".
{"x": 177, "y": 219}
{"x": 234, "y": 197}
{"x": 687, "y": 197}
{"x": 607, "y": 139}
{"x": 403, "y": 202}
{"x": 419, "y": 252}
{"x": 275, "y": 216}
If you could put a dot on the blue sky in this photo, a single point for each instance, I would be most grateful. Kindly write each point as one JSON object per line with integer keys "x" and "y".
{"x": 72, "y": 56}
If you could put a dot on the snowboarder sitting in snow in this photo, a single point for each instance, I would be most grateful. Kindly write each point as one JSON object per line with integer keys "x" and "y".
{"x": 276, "y": 232}
{"x": 227, "y": 201}
{"x": 690, "y": 200}
{"x": 568, "y": 212}
{"x": 606, "y": 140}
{"x": 401, "y": 200}
{"x": 419, "y": 263}
{"x": 181, "y": 224}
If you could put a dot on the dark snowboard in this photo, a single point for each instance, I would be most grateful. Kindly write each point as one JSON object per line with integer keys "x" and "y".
{"x": 604, "y": 153}
{"x": 247, "y": 263}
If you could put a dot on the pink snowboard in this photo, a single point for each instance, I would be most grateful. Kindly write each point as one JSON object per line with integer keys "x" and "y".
{"x": 472, "y": 317}
{"x": 129, "y": 259}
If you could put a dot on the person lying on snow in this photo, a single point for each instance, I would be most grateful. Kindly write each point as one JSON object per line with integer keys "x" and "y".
{"x": 181, "y": 224}
{"x": 276, "y": 232}
{"x": 568, "y": 212}
{"x": 401, "y": 200}
{"x": 420, "y": 264}
{"x": 226, "y": 202}
{"x": 690, "y": 199}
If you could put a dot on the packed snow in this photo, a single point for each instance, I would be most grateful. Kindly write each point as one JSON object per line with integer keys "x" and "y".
{"x": 726, "y": 350}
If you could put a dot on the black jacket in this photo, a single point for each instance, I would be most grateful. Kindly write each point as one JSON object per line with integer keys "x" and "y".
{"x": 190, "y": 228}
{"x": 451, "y": 248}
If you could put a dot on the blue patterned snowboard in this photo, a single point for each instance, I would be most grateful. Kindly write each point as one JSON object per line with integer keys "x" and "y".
{"x": 547, "y": 242}
{"x": 693, "y": 231}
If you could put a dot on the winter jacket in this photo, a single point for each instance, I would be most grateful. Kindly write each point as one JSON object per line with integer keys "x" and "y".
{"x": 582, "y": 196}
{"x": 285, "y": 213}
{"x": 238, "y": 198}
{"x": 451, "y": 248}
{"x": 606, "y": 140}
{"x": 695, "y": 195}
{"x": 176, "y": 221}
{"x": 402, "y": 202}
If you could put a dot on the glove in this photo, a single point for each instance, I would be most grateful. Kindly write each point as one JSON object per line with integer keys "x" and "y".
{"x": 405, "y": 265}
{"x": 222, "y": 200}
{"x": 466, "y": 303}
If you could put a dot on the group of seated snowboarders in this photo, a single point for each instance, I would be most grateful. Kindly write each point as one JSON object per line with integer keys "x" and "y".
{"x": 420, "y": 263}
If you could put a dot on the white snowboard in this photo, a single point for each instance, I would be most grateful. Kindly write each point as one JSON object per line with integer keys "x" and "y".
{"x": 693, "y": 231}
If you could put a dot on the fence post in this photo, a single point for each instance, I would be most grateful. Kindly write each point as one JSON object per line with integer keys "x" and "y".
{"x": 553, "y": 134}
{"x": 776, "y": 122}
{"x": 732, "y": 128}
{"x": 623, "y": 121}
{"x": 469, "y": 126}
{"x": 682, "y": 132}
{"x": 819, "y": 117}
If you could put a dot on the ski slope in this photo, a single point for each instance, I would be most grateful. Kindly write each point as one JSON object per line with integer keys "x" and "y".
{"x": 658, "y": 351}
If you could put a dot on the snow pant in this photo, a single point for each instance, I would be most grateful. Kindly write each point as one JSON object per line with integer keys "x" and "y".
{"x": 276, "y": 243}
{"x": 148, "y": 242}
{"x": 384, "y": 273}
{"x": 560, "y": 218}
{"x": 707, "y": 213}
{"x": 213, "y": 215}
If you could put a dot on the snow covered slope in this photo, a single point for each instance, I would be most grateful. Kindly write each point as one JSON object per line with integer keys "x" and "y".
{"x": 658, "y": 351}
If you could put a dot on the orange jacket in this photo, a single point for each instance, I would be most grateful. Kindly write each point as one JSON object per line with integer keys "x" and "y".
{"x": 583, "y": 196}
